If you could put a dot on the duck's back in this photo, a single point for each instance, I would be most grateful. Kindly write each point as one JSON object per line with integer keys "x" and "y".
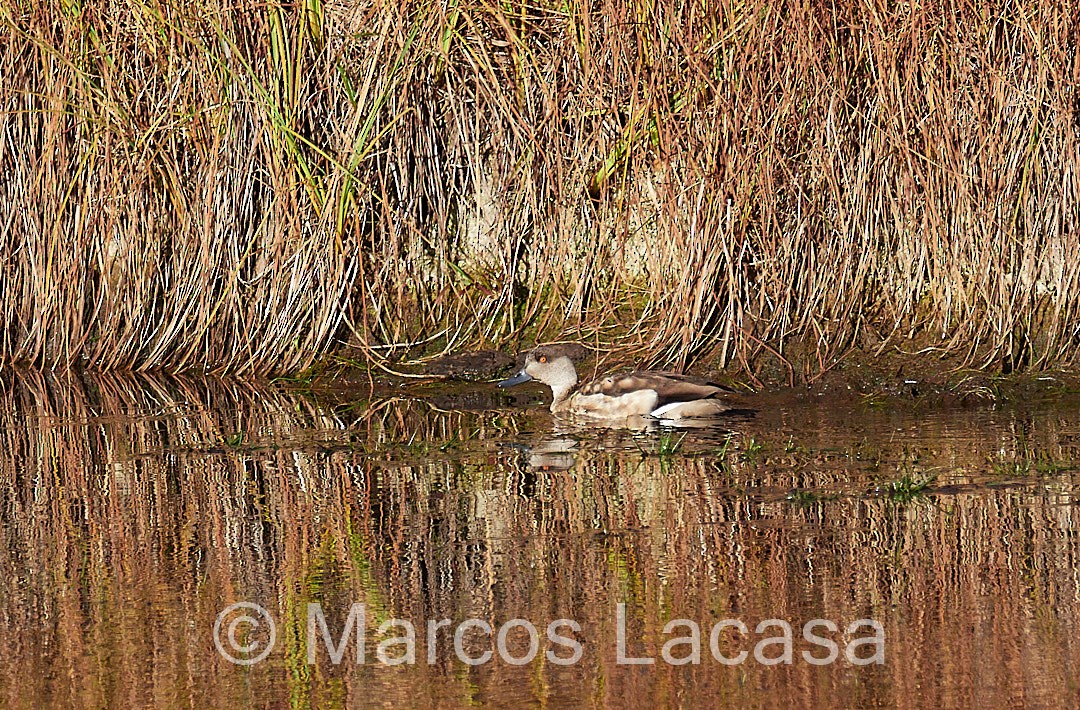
{"x": 661, "y": 394}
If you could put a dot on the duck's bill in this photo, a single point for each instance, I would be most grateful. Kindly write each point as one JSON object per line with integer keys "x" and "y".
{"x": 516, "y": 379}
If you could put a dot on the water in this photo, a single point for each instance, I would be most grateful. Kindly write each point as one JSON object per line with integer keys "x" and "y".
{"x": 134, "y": 511}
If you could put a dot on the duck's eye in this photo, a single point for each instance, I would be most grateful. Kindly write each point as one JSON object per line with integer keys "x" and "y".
{"x": 543, "y": 358}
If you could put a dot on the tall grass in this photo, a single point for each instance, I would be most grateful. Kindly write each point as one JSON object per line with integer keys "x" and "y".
{"x": 247, "y": 187}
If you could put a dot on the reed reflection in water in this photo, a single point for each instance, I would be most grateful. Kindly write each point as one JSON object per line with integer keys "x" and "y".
{"x": 134, "y": 510}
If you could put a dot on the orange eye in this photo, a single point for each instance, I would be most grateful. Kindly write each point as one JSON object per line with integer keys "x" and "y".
{"x": 543, "y": 358}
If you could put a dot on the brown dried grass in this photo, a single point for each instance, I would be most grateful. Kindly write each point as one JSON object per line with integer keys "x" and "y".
{"x": 246, "y": 188}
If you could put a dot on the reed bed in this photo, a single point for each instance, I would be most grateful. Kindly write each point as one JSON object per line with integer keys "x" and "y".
{"x": 251, "y": 187}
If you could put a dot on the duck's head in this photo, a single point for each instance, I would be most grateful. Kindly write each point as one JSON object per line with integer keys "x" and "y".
{"x": 551, "y": 364}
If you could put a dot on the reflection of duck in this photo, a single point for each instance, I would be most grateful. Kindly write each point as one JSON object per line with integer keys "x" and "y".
{"x": 554, "y": 455}
{"x": 551, "y": 455}
{"x": 661, "y": 395}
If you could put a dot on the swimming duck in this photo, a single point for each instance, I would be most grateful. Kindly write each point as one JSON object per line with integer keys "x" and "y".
{"x": 657, "y": 394}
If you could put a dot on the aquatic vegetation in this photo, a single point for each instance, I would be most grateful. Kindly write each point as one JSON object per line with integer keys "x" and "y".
{"x": 668, "y": 443}
{"x": 907, "y": 487}
{"x": 1027, "y": 466}
{"x": 800, "y": 496}
{"x": 751, "y": 448}
{"x": 875, "y": 400}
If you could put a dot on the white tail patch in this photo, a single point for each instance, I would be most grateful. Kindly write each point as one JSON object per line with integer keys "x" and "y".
{"x": 695, "y": 408}
{"x": 659, "y": 412}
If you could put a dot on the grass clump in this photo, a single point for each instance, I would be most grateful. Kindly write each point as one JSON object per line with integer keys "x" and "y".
{"x": 906, "y": 488}
{"x": 668, "y": 444}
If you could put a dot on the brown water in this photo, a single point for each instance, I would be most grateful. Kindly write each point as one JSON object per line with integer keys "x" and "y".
{"x": 133, "y": 512}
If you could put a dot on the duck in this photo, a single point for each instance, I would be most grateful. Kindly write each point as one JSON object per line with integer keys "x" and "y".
{"x": 660, "y": 395}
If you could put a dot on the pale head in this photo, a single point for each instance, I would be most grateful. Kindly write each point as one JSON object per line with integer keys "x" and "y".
{"x": 553, "y": 365}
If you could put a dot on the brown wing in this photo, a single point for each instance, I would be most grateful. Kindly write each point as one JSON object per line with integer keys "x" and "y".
{"x": 669, "y": 387}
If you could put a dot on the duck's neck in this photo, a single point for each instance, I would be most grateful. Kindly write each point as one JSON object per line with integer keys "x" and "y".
{"x": 560, "y": 394}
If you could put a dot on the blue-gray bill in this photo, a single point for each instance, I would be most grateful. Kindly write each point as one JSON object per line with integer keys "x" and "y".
{"x": 516, "y": 379}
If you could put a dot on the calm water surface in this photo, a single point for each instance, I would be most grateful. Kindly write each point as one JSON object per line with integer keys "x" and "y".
{"x": 134, "y": 511}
